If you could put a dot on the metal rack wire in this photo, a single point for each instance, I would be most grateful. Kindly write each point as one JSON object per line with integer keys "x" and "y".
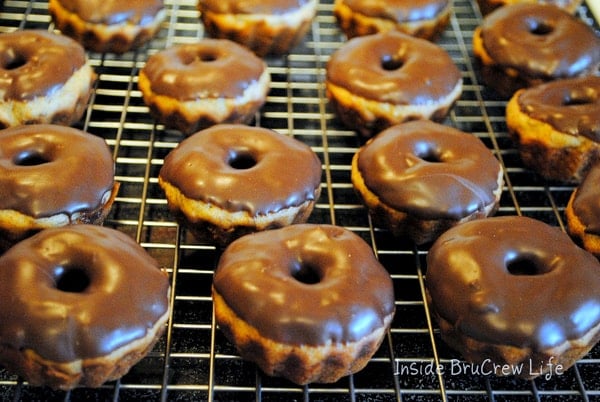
{"x": 194, "y": 362}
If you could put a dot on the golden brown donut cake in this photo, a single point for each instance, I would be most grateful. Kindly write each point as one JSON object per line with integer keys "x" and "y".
{"x": 52, "y": 176}
{"x": 418, "y": 179}
{"x": 379, "y": 80}
{"x": 267, "y": 27}
{"x": 556, "y": 127}
{"x": 229, "y": 180}
{"x": 487, "y": 6}
{"x": 79, "y": 306}
{"x": 193, "y": 86}
{"x": 104, "y": 26}
{"x": 422, "y": 18}
{"x": 583, "y": 210}
{"x": 44, "y": 78}
{"x": 514, "y": 296}
{"x": 526, "y": 44}
{"x": 310, "y": 303}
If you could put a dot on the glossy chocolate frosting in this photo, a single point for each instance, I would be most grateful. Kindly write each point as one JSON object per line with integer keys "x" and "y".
{"x": 126, "y": 295}
{"x": 111, "y": 12}
{"x": 268, "y": 7}
{"x": 395, "y": 68}
{"x": 259, "y": 277}
{"x": 243, "y": 168}
{"x": 211, "y": 68}
{"x": 514, "y": 281}
{"x": 571, "y": 106}
{"x": 430, "y": 170}
{"x": 48, "y": 169}
{"x": 398, "y": 10}
{"x": 36, "y": 63}
{"x": 540, "y": 41}
{"x": 586, "y": 201}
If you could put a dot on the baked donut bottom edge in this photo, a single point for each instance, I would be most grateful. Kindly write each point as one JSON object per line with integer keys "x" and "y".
{"x": 101, "y": 38}
{"x": 209, "y": 222}
{"x": 355, "y": 24}
{"x": 301, "y": 364}
{"x": 369, "y": 117}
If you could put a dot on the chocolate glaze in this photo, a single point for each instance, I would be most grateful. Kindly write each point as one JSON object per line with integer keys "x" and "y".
{"x": 586, "y": 202}
{"x": 211, "y": 68}
{"x": 268, "y": 7}
{"x": 471, "y": 285}
{"x": 398, "y": 10}
{"x": 395, "y": 68}
{"x": 571, "y": 106}
{"x": 430, "y": 170}
{"x": 283, "y": 172}
{"x": 36, "y": 63}
{"x": 257, "y": 273}
{"x": 48, "y": 169}
{"x": 112, "y": 12}
{"x": 540, "y": 40}
{"x": 126, "y": 295}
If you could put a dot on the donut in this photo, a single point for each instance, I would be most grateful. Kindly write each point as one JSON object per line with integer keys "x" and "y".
{"x": 424, "y": 18}
{"x": 229, "y": 180}
{"x": 514, "y": 295}
{"x": 379, "y": 80}
{"x": 44, "y": 78}
{"x": 190, "y": 87}
{"x": 522, "y": 45}
{"x": 52, "y": 176}
{"x": 108, "y": 26}
{"x": 307, "y": 302}
{"x": 80, "y": 305}
{"x": 583, "y": 210}
{"x": 419, "y": 178}
{"x": 556, "y": 127}
{"x": 268, "y": 28}
{"x": 487, "y": 6}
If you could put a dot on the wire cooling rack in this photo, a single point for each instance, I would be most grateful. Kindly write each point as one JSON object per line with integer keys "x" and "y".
{"x": 193, "y": 361}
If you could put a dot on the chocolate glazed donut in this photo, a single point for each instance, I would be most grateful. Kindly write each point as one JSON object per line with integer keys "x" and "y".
{"x": 190, "y": 87}
{"x": 306, "y": 302}
{"x": 514, "y": 291}
{"x": 376, "y": 81}
{"x": 79, "y": 306}
{"x": 44, "y": 78}
{"x": 522, "y": 45}
{"x": 52, "y": 176}
{"x": 420, "y": 178}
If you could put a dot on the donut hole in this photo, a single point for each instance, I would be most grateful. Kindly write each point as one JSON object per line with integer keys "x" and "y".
{"x": 71, "y": 279}
{"x": 427, "y": 152}
{"x": 540, "y": 28}
{"x": 30, "y": 158}
{"x": 431, "y": 157}
{"x": 306, "y": 273}
{"x": 525, "y": 266}
{"x": 241, "y": 160}
{"x": 203, "y": 57}
{"x": 15, "y": 62}
{"x": 578, "y": 100}
{"x": 391, "y": 62}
